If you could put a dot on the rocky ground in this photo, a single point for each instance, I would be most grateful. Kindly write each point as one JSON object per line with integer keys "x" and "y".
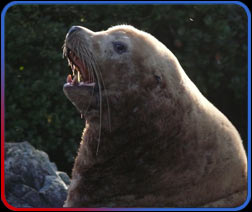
{"x": 31, "y": 180}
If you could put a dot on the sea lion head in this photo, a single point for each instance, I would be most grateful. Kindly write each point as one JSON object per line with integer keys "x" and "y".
{"x": 123, "y": 70}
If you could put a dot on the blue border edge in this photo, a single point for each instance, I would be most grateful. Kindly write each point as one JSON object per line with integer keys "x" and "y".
{"x": 3, "y": 13}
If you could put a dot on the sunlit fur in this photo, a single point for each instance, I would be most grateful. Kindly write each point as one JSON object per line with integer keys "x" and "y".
{"x": 166, "y": 146}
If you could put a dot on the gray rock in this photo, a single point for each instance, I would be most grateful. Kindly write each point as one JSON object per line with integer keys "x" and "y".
{"x": 54, "y": 191}
{"x": 64, "y": 177}
{"x": 17, "y": 202}
{"x": 31, "y": 180}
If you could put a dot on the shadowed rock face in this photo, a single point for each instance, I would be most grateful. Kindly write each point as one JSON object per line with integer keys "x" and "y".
{"x": 31, "y": 180}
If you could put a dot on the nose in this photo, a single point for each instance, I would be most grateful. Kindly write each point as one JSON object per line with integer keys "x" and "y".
{"x": 73, "y": 29}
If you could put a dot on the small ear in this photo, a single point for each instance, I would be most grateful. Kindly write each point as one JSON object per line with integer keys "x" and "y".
{"x": 158, "y": 78}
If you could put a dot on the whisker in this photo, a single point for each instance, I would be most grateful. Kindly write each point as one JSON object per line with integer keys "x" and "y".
{"x": 93, "y": 68}
{"x": 82, "y": 49}
{"x": 100, "y": 96}
{"x": 89, "y": 102}
{"x": 96, "y": 71}
{"x": 106, "y": 94}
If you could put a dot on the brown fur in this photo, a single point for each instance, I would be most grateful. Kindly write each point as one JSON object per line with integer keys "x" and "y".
{"x": 168, "y": 146}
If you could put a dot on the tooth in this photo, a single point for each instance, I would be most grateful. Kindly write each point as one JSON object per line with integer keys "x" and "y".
{"x": 74, "y": 80}
{"x": 69, "y": 62}
{"x": 78, "y": 74}
{"x": 73, "y": 68}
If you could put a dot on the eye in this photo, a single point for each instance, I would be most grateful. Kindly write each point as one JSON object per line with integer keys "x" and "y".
{"x": 119, "y": 47}
{"x": 158, "y": 78}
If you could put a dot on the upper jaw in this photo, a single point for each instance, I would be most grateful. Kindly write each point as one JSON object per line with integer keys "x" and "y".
{"x": 81, "y": 86}
{"x": 80, "y": 73}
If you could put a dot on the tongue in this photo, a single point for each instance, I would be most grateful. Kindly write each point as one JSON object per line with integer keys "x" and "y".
{"x": 69, "y": 78}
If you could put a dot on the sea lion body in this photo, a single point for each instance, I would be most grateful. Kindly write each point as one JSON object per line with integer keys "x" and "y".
{"x": 151, "y": 138}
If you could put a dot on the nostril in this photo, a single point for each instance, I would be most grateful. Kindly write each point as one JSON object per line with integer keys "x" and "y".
{"x": 73, "y": 29}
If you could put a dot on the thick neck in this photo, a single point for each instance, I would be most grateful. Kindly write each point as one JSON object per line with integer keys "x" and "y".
{"x": 120, "y": 168}
{"x": 134, "y": 154}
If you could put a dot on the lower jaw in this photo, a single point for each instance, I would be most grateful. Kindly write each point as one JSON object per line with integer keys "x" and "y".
{"x": 92, "y": 84}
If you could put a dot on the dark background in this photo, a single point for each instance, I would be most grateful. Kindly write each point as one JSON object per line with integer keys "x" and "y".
{"x": 210, "y": 42}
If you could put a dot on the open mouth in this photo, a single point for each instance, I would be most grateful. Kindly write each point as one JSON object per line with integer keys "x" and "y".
{"x": 80, "y": 74}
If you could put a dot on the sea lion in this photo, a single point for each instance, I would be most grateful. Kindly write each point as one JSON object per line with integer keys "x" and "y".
{"x": 151, "y": 138}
